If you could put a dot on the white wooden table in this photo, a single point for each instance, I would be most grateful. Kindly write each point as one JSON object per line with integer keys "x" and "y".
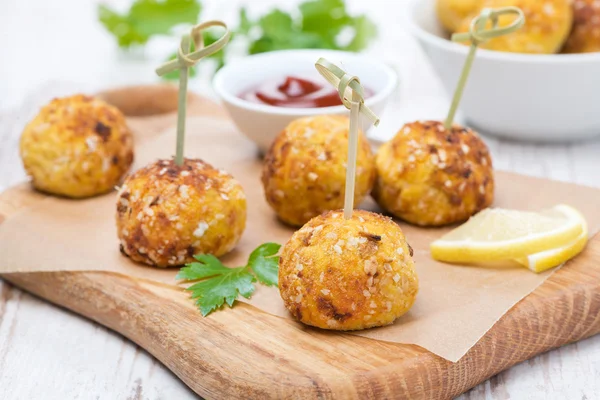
{"x": 57, "y": 48}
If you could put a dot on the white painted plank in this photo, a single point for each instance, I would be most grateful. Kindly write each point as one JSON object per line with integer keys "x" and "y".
{"x": 50, "y": 353}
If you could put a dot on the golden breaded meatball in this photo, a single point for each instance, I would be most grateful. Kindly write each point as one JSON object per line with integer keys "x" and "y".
{"x": 348, "y": 274}
{"x": 431, "y": 176}
{"x": 547, "y": 26}
{"x": 585, "y": 36}
{"x": 167, "y": 213}
{"x": 304, "y": 171}
{"x": 77, "y": 146}
{"x": 453, "y": 12}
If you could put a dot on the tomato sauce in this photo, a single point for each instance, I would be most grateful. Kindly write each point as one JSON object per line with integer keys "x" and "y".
{"x": 294, "y": 92}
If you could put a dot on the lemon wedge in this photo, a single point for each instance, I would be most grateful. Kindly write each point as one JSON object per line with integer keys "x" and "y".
{"x": 500, "y": 234}
{"x": 540, "y": 262}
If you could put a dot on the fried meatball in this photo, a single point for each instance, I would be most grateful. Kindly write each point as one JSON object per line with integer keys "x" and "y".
{"x": 585, "y": 36}
{"x": 304, "y": 171}
{"x": 547, "y": 26}
{"x": 452, "y": 12}
{"x": 167, "y": 213}
{"x": 431, "y": 176}
{"x": 77, "y": 146}
{"x": 348, "y": 274}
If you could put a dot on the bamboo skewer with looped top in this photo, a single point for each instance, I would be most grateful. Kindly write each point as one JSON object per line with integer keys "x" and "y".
{"x": 478, "y": 34}
{"x": 183, "y": 62}
{"x": 352, "y": 95}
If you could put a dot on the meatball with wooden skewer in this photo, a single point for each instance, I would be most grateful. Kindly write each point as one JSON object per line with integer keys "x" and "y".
{"x": 348, "y": 269}
{"x": 430, "y": 176}
{"x": 547, "y": 26}
{"x": 435, "y": 173}
{"x": 168, "y": 213}
{"x": 348, "y": 274}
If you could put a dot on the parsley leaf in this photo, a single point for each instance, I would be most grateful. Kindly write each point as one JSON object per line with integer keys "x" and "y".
{"x": 277, "y": 24}
{"x": 280, "y": 32}
{"x": 146, "y": 18}
{"x": 364, "y": 31}
{"x": 211, "y": 293}
{"x": 318, "y": 26}
{"x": 218, "y": 284}
{"x": 325, "y": 17}
{"x": 209, "y": 265}
{"x": 328, "y": 18}
{"x": 265, "y": 263}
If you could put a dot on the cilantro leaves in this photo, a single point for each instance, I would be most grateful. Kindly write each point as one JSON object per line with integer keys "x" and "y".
{"x": 147, "y": 18}
{"x": 218, "y": 284}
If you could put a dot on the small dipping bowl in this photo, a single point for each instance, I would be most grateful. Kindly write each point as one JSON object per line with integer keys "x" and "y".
{"x": 261, "y": 122}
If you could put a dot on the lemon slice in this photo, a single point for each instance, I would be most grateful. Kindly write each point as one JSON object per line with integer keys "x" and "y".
{"x": 499, "y": 234}
{"x": 540, "y": 262}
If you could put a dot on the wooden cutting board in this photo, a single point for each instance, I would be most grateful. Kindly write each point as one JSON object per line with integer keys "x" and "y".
{"x": 245, "y": 353}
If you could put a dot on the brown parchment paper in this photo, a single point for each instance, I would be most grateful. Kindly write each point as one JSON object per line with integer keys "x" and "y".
{"x": 455, "y": 307}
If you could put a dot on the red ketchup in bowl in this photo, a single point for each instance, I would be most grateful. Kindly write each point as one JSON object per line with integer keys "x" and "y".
{"x": 294, "y": 92}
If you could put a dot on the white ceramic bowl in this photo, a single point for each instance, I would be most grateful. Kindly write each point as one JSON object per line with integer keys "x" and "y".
{"x": 543, "y": 98}
{"x": 261, "y": 123}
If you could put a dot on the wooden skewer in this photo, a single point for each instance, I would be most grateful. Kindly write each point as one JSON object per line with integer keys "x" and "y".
{"x": 352, "y": 155}
{"x": 351, "y": 94}
{"x": 183, "y": 62}
{"x": 478, "y": 34}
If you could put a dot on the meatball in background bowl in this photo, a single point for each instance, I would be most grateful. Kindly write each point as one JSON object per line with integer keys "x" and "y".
{"x": 540, "y": 98}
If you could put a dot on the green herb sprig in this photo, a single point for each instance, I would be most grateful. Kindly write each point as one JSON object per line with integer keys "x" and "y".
{"x": 217, "y": 284}
{"x": 316, "y": 24}
{"x": 147, "y": 18}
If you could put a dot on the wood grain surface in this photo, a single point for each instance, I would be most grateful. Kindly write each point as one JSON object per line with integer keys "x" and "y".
{"x": 250, "y": 354}
{"x": 244, "y": 353}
